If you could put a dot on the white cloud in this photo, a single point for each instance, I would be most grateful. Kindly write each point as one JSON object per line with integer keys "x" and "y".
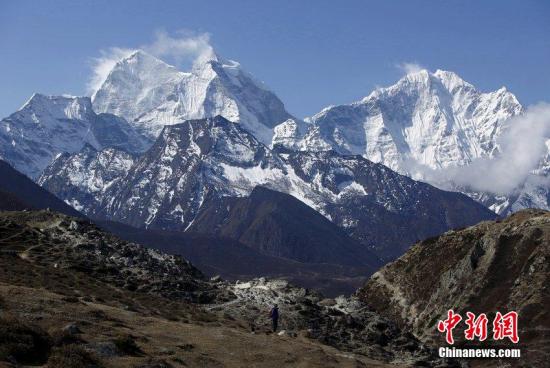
{"x": 102, "y": 65}
{"x": 409, "y": 68}
{"x": 522, "y": 147}
{"x": 185, "y": 46}
{"x": 181, "y": 49}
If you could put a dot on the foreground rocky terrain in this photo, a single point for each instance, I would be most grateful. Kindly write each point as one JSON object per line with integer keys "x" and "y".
{"x": 72, "y": 295}
{"x": 493, "y": 266}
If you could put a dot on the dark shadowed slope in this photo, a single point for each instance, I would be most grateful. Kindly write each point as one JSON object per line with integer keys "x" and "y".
{"x": 10, "y": 202}
{"x": 19, "y": 192}
{"x": 233, "y": 260}
{"x": 280, "y": 225}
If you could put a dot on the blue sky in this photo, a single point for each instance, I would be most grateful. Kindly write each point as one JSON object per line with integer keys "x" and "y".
{"x": 311, "y": 53}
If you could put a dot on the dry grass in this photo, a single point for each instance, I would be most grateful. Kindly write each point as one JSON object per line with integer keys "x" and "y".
{"x": 165, "y": 343}
{"x": 72, "y": 356}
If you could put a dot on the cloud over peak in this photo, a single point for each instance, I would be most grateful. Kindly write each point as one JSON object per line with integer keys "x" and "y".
{"x": 183, "y": 48}
{"x": 409, "y": 68}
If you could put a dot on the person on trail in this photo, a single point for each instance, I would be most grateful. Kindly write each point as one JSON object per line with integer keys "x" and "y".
{"x": 274, "y": 315}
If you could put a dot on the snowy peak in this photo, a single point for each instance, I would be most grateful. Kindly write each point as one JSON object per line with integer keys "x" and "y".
{"x": 424, "y": 122}
{"x": 433, "y": 120}
{"x": 150, "y": 94}
{"x": 451, "y": 80}
{"x": 46, "y": 126}
{"x": 135, "y": 85}
{"x": 56, "y": 107}
{"x": 424, "y": 82}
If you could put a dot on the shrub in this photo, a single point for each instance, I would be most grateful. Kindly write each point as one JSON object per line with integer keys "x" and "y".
{"x": 127, "y": 345}
{"x": 72, "y": 356}
{"x": 23, "y": 343}
{"x": 62, "y": 337}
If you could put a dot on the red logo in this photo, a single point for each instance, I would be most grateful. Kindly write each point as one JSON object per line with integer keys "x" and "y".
{"x": 476, "y": 326}
{"x": 449, "y": 325}
{"x": 503, "y": 326}
{"x": 506, "y": 326}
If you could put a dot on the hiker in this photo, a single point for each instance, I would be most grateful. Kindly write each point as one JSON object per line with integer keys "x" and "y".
{"x": 274, "y": 315}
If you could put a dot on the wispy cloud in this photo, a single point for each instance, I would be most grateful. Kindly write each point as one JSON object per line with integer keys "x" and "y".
{"x": 102, "y": 65}
{"x": 182, "y": 48}
{"x": 409, "y": 68}
{"x": 522, "y": 146}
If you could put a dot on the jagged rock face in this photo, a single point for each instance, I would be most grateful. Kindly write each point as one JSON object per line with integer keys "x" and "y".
{"x": 74, "y": 245}
{"x": 289, "y": 133}
{"x": 166, "y": 187}
{"x": 368, "y": 200}
{"x": 493, "y": 266}
{"x": 83, "y": 178}
{"x": 214, "y": 158}
{"x": 49, "y": 125}
{"x": 17, "y": 192}
{"x": 150, "y": 94}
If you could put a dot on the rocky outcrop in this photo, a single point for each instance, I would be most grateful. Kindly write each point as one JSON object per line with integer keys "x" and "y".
{"x": 345, "y": 323}
{"x": 493, "y": 266}
{"x": 72, "y": 257}
{"x": 77, "y": 246}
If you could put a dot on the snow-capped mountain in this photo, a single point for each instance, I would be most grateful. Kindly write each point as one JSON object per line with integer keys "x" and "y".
{"x": 425, "y": 123}
{"x": 150, "y": 94}
{"x": 46, "y": 126}
{"x": 84, "y": 177}
{"x": 431, "y": 119}
{"x": 198, "y": 160}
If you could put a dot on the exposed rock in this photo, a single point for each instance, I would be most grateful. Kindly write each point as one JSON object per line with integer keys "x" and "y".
{"x": 493, "y": 266}
{"x": 347, "y": 323}
{"x": 47, "y": 236}
{"x": 72, "y": 329}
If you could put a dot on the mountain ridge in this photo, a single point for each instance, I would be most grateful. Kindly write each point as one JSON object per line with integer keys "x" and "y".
{"x": 46, "y": 126}
{"x": 215, "y": 158}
